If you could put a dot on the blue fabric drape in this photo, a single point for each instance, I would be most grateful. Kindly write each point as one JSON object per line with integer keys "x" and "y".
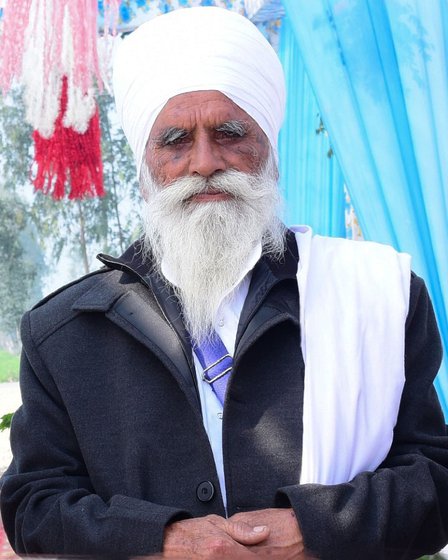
{"x": 311, "y": 178}
{"x": 134, "y": 12}
{"x": 379, "y": 73}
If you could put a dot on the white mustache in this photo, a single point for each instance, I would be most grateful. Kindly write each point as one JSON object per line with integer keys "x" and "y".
{"x": 239, "y": 185}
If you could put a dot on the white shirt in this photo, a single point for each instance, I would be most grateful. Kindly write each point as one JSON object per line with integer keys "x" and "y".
{"x": 226, "y": 326}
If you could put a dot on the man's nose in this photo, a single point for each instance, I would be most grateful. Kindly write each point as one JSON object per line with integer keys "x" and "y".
{"x": 206, "y": 158}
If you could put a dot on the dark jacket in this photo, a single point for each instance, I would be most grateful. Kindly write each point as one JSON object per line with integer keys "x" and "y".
{"x": 109, "y": 445}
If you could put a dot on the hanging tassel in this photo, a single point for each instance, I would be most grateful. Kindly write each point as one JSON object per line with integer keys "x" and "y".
{"x": 68, "y": 157}
{"x": 12, "y": 40}
{"x": 40, "y": 24}
{"x": 51, "y": 47}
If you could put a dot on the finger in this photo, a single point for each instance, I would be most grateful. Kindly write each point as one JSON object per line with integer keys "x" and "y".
{"x": 246, "y": 534}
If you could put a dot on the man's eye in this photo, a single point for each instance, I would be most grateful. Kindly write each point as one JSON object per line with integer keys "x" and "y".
{"x": 172, "y": 137}
{"x": 230, "y": 134}
{"x": 176, "y": 141}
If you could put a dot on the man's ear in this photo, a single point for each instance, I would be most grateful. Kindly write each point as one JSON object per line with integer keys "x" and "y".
{"x": 143, "y": 193}
{"x": 277, "y": 174}
{"x": 275, "y": 164}
{"x": 141, "y": 179}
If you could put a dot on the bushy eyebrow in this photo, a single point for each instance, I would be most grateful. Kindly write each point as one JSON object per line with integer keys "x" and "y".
{"x": 170, "y": 135}
{"x": 238, "y": 128}
{"x": 173, "y": 133}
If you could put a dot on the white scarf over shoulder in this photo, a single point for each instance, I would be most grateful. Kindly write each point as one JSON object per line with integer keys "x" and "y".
{"x": 354, "y": 299}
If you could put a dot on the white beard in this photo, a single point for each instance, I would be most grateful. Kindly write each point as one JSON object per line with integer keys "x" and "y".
{"x": 207, "y": 244}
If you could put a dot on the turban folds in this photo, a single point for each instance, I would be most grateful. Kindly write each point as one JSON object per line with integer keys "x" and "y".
{"x": 196, "y": 49}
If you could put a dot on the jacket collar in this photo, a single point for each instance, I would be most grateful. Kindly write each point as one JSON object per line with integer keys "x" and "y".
{"x": 133, "y": 297}
{"x": 266, "y": 274}
{"x": 132, "y": 263}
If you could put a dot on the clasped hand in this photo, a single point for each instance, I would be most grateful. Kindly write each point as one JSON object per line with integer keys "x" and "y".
{"x": 272, "y": 533}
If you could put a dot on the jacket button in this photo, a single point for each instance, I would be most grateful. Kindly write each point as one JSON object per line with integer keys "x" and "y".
{"x": 205, "y": 491}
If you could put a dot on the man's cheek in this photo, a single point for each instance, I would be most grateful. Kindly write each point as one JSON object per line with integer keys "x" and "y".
{"x": 168, "y": 166}
{"x": 252, "y": 156}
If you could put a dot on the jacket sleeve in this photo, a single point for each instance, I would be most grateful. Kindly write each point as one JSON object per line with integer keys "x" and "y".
{"x": 47, "y": 500}
{"x": 400, "y": 511}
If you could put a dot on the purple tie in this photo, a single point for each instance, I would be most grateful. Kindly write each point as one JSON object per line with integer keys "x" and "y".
{"x": 216, "y": 363}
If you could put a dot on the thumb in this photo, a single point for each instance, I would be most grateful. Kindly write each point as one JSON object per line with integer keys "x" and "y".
{"x": 246, "y": 534}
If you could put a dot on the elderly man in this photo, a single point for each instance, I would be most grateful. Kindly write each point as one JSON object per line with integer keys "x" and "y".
{"x": 227, "y": 387}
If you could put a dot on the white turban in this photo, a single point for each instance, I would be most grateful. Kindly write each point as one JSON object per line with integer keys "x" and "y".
{"x": 196, "y": 49}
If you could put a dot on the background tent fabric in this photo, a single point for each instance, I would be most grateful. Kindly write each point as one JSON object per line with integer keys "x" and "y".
{"x": 310, "y": 175}
{"x": 134, "y": 12}
{"x": 379, "y": 72}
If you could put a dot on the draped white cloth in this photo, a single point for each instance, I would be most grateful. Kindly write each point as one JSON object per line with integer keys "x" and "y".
{"x": 354, "y": 299}
{"x": 196, "y": 49}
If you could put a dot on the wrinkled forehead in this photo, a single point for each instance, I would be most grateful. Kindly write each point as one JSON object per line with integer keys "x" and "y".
{"x": 190, "y": 50}
{"x": 206, "y": 109}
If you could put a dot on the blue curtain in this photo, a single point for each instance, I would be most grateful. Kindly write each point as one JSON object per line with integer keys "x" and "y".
{"x": 311, "y": 179}
{"x": 378, "y": 69}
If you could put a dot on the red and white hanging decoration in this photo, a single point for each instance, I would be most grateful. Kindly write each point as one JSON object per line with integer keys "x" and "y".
{"x": 50, "y": 47}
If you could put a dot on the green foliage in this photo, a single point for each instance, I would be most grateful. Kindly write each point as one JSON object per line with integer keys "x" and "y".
{"x": 22, "y": 264}
{"x": 5, "y": 421}
{"x": 9, "y": 366}
{"x": 20, "y": 254}
{"x": 120, "y": 178}
{"x": 15, "y": 144}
